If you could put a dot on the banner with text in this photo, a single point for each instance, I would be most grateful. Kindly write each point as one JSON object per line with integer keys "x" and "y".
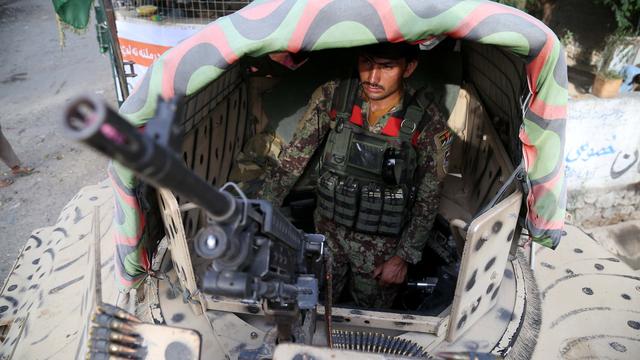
{"x": 143, "y": 41}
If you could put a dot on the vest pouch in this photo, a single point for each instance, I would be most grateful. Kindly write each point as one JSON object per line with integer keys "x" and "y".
{"x": 393, "y": 167}
{"x": 366, "y": 153}
{"x": 399, "y": 164}
{"x": 393, "y": 210}
{"x": 346, "y": 201}
{"x": 336, "y": 150}
{"x": 326, "y": 194}
{"x": 370, "y": 210}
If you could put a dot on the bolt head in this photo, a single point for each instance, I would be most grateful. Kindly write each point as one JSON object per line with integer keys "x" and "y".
{"x": 211, "y": 242}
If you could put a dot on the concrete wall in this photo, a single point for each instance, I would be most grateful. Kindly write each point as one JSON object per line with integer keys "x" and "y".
{"x": 602, "y": 157}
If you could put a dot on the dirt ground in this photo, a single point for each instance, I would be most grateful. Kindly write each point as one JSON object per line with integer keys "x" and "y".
{"x": 37, "y": 78}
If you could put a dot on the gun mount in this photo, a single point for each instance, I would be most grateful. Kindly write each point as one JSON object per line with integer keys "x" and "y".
{"x": 255, "y": 252}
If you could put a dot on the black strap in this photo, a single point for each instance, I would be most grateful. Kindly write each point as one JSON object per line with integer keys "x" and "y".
{"x": 416, "y": 117}
{"x": 344, "y": 97}
{"x": 412, "y": 117}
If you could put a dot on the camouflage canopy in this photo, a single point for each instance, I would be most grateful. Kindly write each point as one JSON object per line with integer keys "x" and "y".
{"x": 289, "y": 25}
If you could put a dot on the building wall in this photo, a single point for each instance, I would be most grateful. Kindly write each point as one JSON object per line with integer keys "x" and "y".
{"x": 602, "y": 158}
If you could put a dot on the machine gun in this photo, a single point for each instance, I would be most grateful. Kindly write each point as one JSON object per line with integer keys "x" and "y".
{"x": 255, "y": 252}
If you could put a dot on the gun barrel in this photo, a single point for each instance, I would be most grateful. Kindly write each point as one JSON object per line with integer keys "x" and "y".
{"x": 90, "y": 120}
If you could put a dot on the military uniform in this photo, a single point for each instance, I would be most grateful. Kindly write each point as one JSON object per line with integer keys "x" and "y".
{"x": 352, "y": 250}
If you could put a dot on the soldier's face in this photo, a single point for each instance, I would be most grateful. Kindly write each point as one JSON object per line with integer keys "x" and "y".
{"x": 382, "y": 78}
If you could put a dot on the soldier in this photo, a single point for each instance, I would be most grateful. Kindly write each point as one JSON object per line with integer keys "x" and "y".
{"x": 378, "y": 191}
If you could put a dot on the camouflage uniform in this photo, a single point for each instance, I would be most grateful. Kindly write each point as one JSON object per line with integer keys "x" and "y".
{"x": 360, "y": 253}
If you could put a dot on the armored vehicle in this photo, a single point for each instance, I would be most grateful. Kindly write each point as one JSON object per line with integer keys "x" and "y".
{"x": 233, "y": 278}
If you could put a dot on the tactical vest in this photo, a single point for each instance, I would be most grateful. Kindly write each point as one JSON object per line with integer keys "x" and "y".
{"x": 366, "y": 180}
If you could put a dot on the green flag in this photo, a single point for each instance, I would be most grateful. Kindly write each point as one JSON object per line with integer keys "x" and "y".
{"x": 75, "y": 13}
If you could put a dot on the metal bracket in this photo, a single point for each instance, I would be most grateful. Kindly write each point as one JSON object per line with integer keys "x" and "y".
{"x": 132, "y": 70}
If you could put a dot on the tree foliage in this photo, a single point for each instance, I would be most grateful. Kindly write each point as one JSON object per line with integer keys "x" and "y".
{"x": 627, "y": 13}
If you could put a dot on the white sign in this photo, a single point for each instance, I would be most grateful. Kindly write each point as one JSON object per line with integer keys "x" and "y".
{"x": 602, "y": 147}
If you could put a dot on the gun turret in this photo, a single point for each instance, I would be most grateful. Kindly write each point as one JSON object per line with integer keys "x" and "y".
{"x": 255, "y": 252}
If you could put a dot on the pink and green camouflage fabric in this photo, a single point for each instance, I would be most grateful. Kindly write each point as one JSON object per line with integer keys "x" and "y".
{"x": 296, "y": 25}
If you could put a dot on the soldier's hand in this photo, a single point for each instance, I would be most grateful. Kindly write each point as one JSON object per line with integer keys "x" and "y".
{"x": 392, "y": 271}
